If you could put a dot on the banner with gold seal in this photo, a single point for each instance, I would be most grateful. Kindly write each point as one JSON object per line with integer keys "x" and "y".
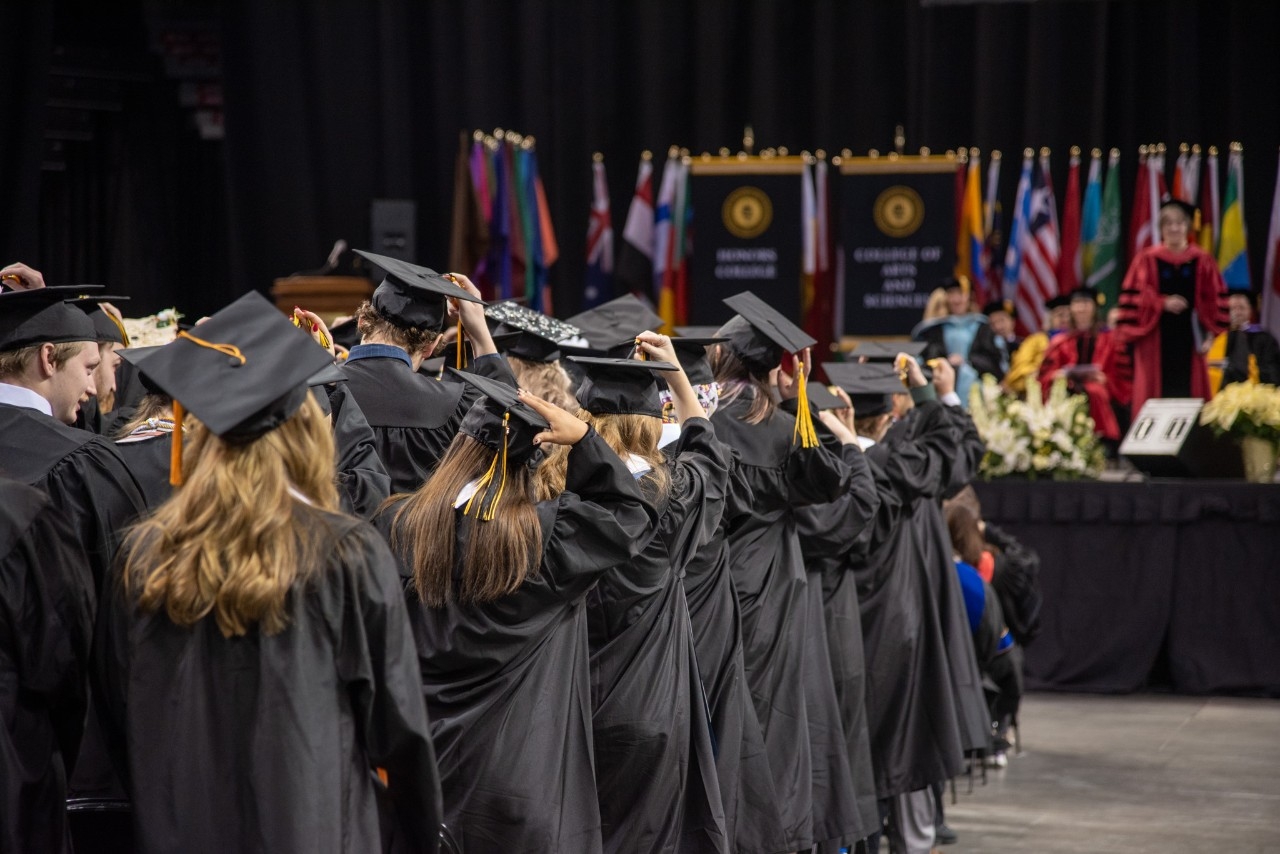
{"x": 747, "y": 220}
{"x": 897, "y": 227}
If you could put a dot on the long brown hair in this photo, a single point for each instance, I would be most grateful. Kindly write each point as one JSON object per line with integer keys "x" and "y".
{"x": 232, "y": 540}
{"x": 639, "y": 435}
{"x": 735, "y": 379}
{"x": 966, "y": 537}
{"x": 547, "y": 380}
{"x": 500, "y": 553}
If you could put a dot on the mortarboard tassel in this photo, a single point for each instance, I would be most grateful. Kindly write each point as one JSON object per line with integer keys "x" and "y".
{"x": 175, "y": 447}
{"x": 461, "y": 336}
{"x": 482, "y": 485}
{"x": 804, "y": 418}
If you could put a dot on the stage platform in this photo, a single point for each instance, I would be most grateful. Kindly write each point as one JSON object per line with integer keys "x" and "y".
{"x": 1150, "y": 584}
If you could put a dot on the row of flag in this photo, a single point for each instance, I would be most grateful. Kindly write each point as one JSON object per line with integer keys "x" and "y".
{"x": 502, "y": 232}
{"x": 1050, "y": 252}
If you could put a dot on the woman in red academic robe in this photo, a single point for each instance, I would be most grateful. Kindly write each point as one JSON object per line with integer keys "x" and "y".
{"x": 1172, "y": 306}
{"x": 1086, "y": 356}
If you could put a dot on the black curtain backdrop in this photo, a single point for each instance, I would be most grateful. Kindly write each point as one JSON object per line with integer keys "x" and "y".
{"x": 331, "y": 105}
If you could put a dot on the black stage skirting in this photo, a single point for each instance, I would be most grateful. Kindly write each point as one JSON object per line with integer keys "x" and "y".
{"x": 1176, "y": 578}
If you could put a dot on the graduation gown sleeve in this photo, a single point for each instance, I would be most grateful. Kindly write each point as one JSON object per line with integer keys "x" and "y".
{"x": 46, "y": 619}
{"x": 363, "y": 482}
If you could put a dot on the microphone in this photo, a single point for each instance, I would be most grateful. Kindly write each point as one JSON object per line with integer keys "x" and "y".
{"x": 330, "y": 264}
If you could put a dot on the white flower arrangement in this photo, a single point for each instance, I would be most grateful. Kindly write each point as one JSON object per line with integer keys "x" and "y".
{"x": 154, "y": 329}
{"x": 1245, "y": 409}
{"x": 1035, "y": 437}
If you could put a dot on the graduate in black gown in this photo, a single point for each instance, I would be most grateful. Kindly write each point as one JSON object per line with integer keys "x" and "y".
{"x": 48, "y": 352}
{"x": 655, "y": 767}
{"x": 753, "y": 822}
{"x": 256, "y": 655}
{"x": 96, "y": 413}
{"x": 911, "y": 703}
{"x": 829, "y": 533}
{"x": 780, "y": 467}
{"x": 414, "y": 417}
{"x": 46, "y": 626}
{"x": 496, "y": 585}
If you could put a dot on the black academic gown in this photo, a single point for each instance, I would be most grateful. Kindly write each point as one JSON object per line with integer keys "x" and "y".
{"x": 753, "y": 822}
{"x": 148, "y": 460}
{"x": 912, "y": 720}
{"x": 827, "y": 533}
{"x": 46, "y": 627}
{"x": 966, "y": 677}
{"x": 413, "y": 417}
{"x": 269, "y": 743}
{"x": 655, "y": 768}
{"x": 363, "y": 482}
{"x": 773, "y": 477}
{"x": 95, "y": 493}
{"x": 507, "y": 682}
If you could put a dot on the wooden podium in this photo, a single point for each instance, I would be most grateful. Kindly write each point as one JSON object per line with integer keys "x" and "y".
{"x": 327, "y": 296}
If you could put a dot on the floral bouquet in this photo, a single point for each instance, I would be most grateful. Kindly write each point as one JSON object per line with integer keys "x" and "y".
{"x": 154, "y": 329}
{"x": 1244, "y": 409}
{"x": 1035, "y": 437}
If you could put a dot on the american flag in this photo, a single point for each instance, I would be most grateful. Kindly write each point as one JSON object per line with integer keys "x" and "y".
{"x": 1037, "y": 273}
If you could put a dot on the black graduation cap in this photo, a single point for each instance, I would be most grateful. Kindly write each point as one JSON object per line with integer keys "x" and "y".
{"x": 243, "y": 372}
{"x": 870, "y": 386}
{"x": 414, "y": 296}
{"x": 887, "y": 351}
{"x": 434, "y": 365}
{"x": 137, "y": 356}
{"x": 616, "y": 323}
{"x": 760, "y": 334}
{"x": 697, "y": 331}
{"x": 1060, "y": 301}
{"x": 996, "y": 305}
{"x": 512, "y": 315}
{"x": 500, "y": 417}
{"x": 523, "y": 344}
{"x": 46, "y": 315}
{"x": 951, "y": 283}
{"x": 1186, "y": 207}
{"x": 105, "y": 324}
{"x": 1083, "y": 292}
{"x": 821, "y": 398}
{"x": 620, "y": 386}
{"x": 692, "y": 355}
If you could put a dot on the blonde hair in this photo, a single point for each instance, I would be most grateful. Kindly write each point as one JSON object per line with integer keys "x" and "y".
{"x": 232, "y": 540}
{"x": 500, "y": 553}
{"x": 625, "y": 434}
{"x": 15, "y": 362}
{"x": 547, "y": 380}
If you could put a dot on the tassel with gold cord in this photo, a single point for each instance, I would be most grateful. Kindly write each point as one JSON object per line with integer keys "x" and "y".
{"x": 175, "y": 447}
{"x": 804, "y": 418}
{"x": 486, "y": 480}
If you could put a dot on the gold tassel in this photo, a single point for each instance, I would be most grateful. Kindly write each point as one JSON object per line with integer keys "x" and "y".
{"x": 175, "y": 447}
{"x": 461, "y": 335}
{"x": 804, "y": 418}
{"x": 486, "y": 480}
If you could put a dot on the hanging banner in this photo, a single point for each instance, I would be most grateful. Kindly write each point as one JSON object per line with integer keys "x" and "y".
{"x": 747, "y": 234}
{"x": 897, "y": 227}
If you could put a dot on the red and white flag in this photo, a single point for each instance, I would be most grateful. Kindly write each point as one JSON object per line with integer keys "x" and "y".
{"x": 1038, "y": 273}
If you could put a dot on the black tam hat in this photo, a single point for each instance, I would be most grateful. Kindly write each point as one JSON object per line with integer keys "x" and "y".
{"x": 414, "y": 296}
{"x": 870, "y": 386}
{"x": 620, "y": 386}
{"x": 46, "y": 316}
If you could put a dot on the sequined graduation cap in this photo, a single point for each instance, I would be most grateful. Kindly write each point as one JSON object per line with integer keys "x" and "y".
{"x": 759, "y": 335}
{"x": 506, "y": 425}
{"x": 411, "y": 295}
{"x": 620, "y": 386}
{"x": 243, "y": 372}
{"x": 870, "y": 386}
{"x": 46, "y": 315}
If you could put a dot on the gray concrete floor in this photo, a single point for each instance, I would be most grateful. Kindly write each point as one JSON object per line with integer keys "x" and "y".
{"x": 1141, "y": 773}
